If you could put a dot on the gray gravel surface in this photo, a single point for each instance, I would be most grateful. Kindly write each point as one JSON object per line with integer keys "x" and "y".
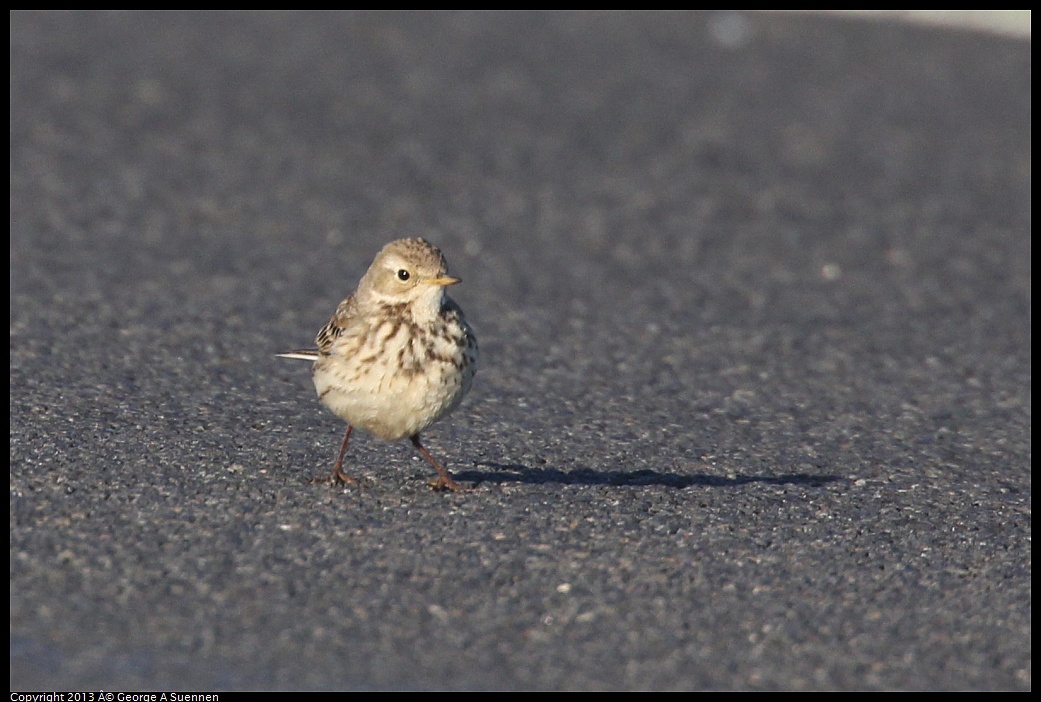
{"x": 753, "y": 296}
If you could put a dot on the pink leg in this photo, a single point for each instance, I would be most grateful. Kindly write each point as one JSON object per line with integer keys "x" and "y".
{"x": 444, "y": 478}
{"x": 338, "y": 476}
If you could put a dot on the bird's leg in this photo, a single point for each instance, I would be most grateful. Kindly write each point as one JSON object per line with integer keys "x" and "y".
{"x": 338, "y": 476}
{"x": 444, "y": 478}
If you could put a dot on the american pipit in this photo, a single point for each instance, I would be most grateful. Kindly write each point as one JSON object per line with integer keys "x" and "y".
{"x": 397, "y": 355}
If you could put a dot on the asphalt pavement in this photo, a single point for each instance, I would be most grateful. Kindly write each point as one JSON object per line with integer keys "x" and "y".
{"x": 753, "y": 299}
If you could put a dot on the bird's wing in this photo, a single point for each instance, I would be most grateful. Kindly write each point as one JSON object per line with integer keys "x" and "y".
{"x": 329, "y": 333}
{"x": 335, "y": 326}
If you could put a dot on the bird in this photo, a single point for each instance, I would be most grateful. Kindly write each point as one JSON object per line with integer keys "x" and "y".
{"x": 397, "y": 355}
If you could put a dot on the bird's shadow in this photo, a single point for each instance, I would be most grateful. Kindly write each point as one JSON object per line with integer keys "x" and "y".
{"x": 516, "y": 473}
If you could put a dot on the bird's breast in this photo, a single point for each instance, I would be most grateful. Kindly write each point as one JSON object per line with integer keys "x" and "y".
{"x": 394, "y": 378}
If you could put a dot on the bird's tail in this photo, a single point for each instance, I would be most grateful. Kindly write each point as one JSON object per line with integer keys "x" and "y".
{"x": 301, "y": 354}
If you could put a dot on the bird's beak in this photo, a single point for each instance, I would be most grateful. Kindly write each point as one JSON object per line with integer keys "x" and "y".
{"x": 443, "y": 280}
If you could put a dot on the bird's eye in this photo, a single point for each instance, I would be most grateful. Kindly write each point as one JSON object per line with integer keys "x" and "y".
{"x": 403, "y": 274}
